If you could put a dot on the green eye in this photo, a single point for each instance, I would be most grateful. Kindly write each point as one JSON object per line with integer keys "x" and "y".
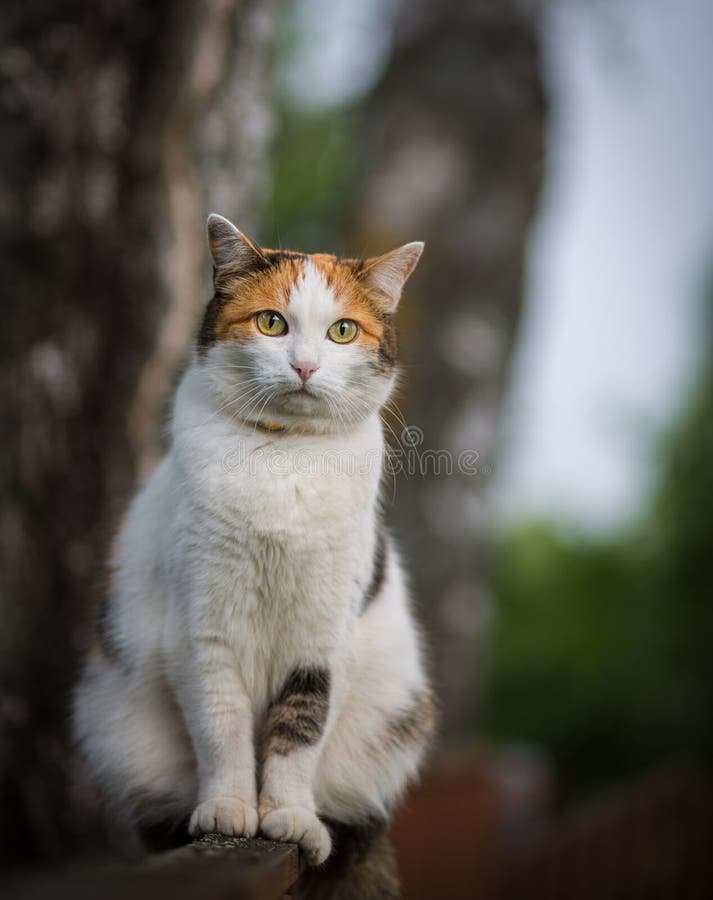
{"x": 343, "y": 331}
{"x": 271, "y": 323}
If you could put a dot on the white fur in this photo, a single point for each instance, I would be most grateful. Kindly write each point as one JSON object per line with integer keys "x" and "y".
{"x": 232, "y": 569}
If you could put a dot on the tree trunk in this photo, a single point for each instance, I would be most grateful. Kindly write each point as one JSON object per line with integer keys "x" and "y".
{"x": 114, "y": 115}
{"x": 454, "y": 136}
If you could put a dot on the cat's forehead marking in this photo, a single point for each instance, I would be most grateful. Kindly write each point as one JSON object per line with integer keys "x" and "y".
{"x": 311, "y": 290}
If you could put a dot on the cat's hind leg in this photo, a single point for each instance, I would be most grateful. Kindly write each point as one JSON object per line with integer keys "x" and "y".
{"x": 384, "y": 727}
{"x": 386, "y": 715}
{"x": 134, "y": 746}
{"x": 370, "y": 757}
{"x": 368, "y": 760}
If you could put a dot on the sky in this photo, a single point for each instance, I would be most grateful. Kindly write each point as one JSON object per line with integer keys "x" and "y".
{"x": 621, "y": 249}
{"x": 618, "y": 258}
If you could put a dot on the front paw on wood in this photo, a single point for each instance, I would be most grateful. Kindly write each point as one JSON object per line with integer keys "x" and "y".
{"x": 224, "y": 815}
{"x": 300, "y": 825}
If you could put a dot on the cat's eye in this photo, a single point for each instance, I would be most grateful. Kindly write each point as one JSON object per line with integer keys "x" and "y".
{"x": 271, "y": 323}
{"x": 343, "y": 331}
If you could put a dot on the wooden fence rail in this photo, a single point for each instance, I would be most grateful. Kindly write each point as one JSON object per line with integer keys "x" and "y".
{"x": 212, "y": 868}
{"x": 454, "y": 841}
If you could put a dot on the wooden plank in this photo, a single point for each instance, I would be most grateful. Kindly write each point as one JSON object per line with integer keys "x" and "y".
{"x": 212, "y": 868}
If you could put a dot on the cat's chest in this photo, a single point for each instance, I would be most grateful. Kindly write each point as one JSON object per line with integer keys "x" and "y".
{"x": 288, "y": 492}
{"x": 266, "y": 532}
{"x": 285, "y": 549}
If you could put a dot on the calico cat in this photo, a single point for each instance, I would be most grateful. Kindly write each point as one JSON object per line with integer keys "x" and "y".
{"x": 258, "y": 668}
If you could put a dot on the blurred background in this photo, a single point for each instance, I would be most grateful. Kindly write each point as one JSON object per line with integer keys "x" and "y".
{"x": 556, "y": 158}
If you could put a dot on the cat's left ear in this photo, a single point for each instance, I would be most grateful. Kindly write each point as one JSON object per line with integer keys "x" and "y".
{"x": 232, "y": 252}
{"x": 387, "y": 274}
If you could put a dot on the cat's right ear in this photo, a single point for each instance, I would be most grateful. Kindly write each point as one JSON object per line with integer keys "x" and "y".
{"x": 232, "y": 252}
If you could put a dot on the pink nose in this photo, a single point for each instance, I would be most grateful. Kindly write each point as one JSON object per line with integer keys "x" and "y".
{"x": 305, "y": 369}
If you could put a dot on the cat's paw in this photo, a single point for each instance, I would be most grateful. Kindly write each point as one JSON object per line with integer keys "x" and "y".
{"x": 224, "y": 815}
{"x": 298, "y": 824}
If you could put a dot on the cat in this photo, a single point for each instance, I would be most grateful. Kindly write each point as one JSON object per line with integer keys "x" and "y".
{"x": 258, "y": 668}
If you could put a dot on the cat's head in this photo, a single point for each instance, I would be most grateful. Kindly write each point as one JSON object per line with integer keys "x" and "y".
{"x": 290, "y": 337}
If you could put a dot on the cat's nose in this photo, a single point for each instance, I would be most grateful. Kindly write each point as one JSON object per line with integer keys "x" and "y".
{"x": 305, "y": 369}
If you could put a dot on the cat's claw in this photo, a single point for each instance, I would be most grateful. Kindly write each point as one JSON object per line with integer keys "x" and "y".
{"x": 298, "y": 824}
{"x": 224, "y": 815}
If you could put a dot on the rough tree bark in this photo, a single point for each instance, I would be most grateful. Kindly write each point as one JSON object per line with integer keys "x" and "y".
{"x": 454, "y": 136}
{"x": 115, "y": 115}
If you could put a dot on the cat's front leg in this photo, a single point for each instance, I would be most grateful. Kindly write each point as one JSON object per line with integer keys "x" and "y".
{"x": 219, "y": 716}
{"x": 292, "y": 740}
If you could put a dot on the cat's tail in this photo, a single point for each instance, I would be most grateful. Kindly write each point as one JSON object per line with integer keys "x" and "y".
{"x": 362, "y": 866}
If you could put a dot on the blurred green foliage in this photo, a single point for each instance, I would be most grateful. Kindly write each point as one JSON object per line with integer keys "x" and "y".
{"x": 603, "y": 648}
{"x": 311, "y": 182}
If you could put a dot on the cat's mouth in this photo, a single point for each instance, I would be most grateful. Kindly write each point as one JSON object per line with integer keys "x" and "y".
{"x": 305, "y": 400}
{"x": 303, "y": 391}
